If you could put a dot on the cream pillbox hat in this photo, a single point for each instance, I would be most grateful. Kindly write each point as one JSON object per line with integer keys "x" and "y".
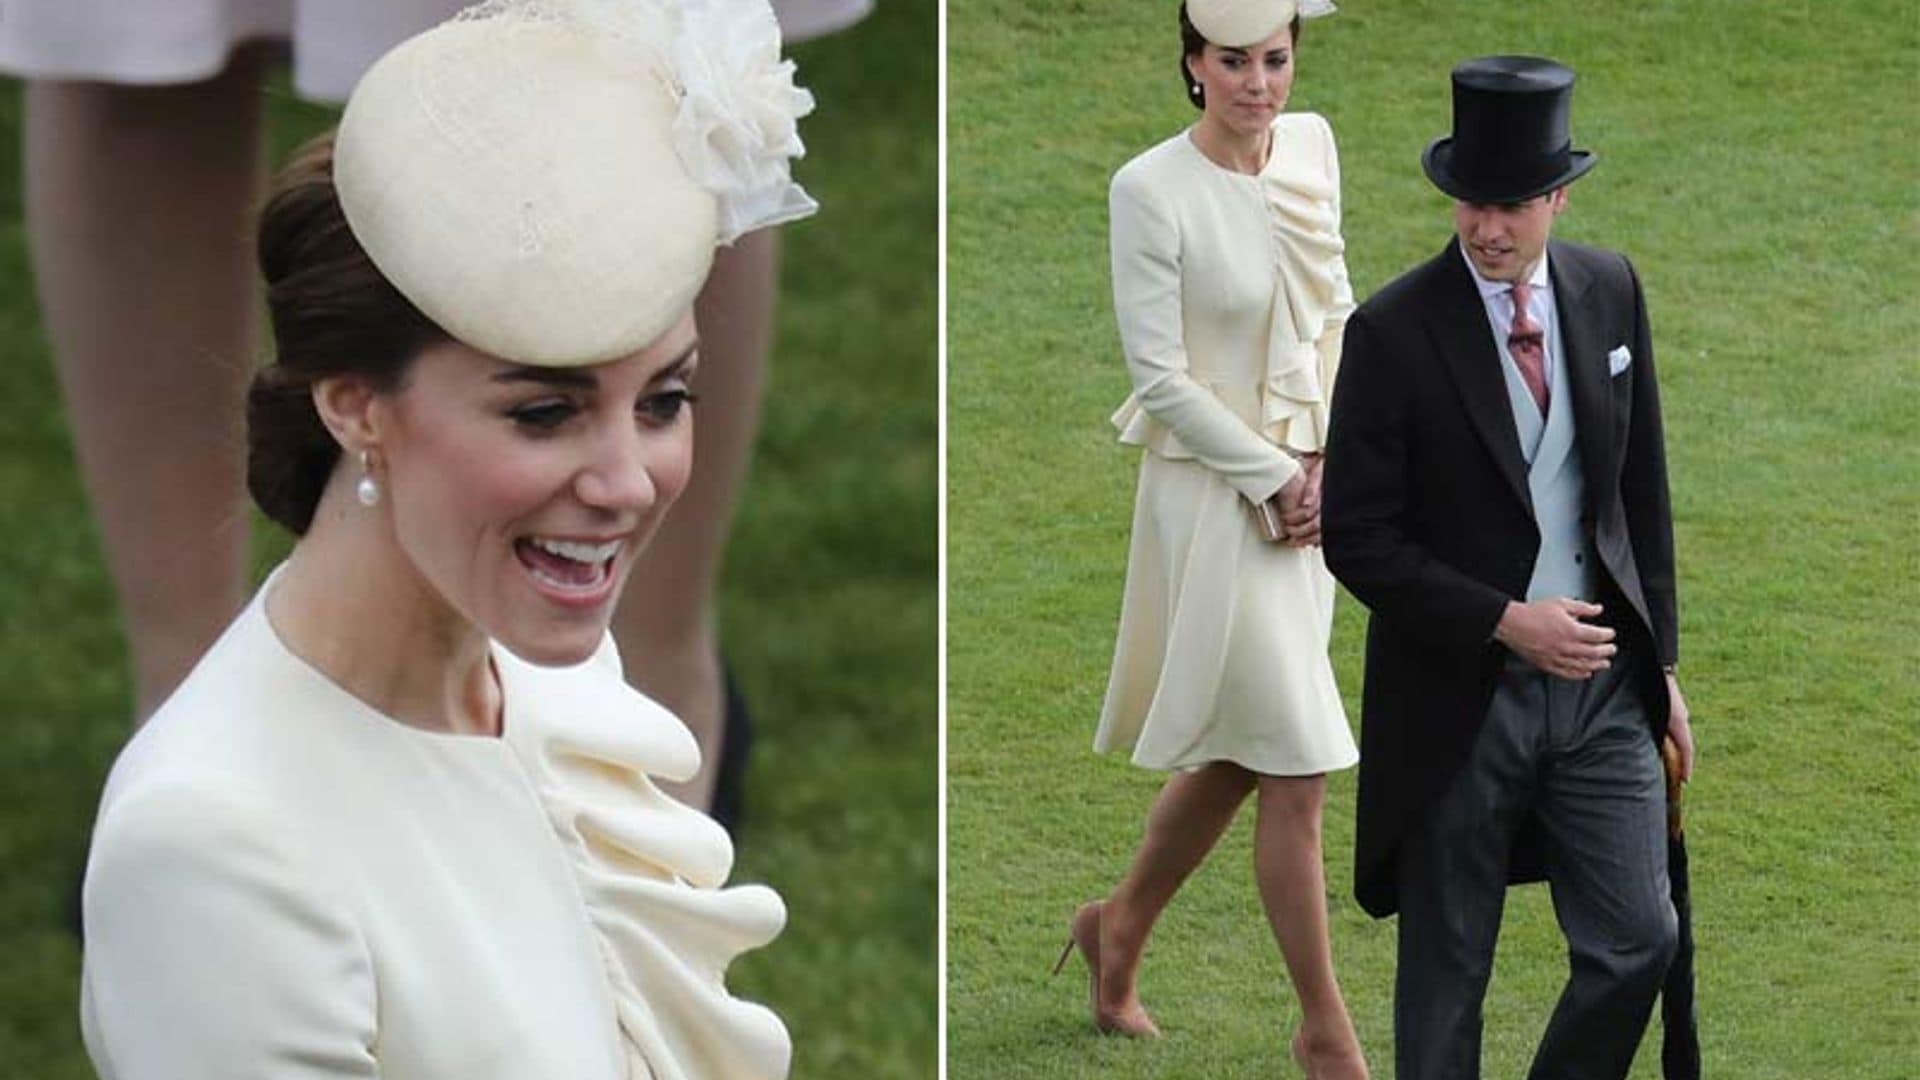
{"x": 547, "y": 179}
{"x": 1236, "y": 24}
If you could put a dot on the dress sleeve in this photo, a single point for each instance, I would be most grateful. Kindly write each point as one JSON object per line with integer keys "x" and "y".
{"x": 211, "y": 952}
{"x": 1146, "y": 301}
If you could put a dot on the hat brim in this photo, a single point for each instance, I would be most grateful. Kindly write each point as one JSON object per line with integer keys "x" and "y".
{"x": 1437, "y": 161}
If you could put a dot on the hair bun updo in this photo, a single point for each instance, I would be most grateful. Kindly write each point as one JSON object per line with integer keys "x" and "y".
{"x": 332, "y": 314}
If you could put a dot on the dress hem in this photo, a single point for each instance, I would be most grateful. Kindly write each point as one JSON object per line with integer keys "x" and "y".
{"x": 1343, "y": 764}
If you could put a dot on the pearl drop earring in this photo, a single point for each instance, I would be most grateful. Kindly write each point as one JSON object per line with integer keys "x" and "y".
{"x": 368, "y": 489}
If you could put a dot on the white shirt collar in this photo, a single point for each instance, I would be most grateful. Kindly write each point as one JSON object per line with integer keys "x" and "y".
{"x": 1539, "y": 279}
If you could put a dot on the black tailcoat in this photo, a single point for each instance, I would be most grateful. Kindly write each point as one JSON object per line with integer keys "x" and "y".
{"x": 1428, "y": 521}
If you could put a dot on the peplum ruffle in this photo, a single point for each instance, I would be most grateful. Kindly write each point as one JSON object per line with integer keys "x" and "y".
{"x": 650, "y": 870}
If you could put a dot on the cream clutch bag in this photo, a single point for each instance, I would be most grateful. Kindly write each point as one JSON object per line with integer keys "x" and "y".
{"x": 1266, "y": 518}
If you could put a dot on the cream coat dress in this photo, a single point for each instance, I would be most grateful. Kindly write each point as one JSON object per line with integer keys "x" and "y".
{"x": 285, "y": 883}
{"x": 1231, "y": 292}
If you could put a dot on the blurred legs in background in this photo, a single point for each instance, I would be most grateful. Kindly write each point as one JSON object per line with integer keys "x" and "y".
{"x": 667, "y": 625}
{"x": 138, "y": 205}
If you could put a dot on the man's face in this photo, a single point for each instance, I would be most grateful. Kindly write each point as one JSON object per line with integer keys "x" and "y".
{"x": 1505, "y": 240}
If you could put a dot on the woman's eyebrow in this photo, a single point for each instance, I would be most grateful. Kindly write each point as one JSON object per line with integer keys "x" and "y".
{"x": 578, "y": 379}
{"x": 681, "y": 364}
{"x": 569, "y": 378}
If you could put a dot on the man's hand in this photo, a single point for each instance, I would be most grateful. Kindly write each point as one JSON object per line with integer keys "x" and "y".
{"x": 1680, "y": 726}
{"x": 1549, "y": 635}
{"x": 1314, "y": 465}
{"x": 1298, "y": 503}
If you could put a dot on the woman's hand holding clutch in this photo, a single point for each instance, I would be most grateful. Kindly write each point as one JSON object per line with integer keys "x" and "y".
{"x": 1291, "y": 515}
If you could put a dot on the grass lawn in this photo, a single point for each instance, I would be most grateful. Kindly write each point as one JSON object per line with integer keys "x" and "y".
{"x": 829, "y": 610}
{"x": 1760, "y": 166}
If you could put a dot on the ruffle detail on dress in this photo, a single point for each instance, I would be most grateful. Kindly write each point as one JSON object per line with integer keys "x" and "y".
{"x": 1293, "y": 407}
{"x": 1311, "y": 299}
{"x": 650, "y": 870}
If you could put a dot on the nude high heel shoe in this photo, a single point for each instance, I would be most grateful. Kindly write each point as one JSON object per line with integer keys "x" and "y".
{"x": 1083, "y": 932}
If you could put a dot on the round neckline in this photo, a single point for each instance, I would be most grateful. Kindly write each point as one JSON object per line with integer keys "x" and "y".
{"x": 363, "y": 708}
{"x": 1273, "y": 141}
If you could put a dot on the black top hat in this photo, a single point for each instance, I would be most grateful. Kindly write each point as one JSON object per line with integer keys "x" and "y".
{"x": 1510, "y": 140}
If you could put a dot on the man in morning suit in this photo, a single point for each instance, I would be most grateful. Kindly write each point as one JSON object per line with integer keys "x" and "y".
{"x": 1496, "y": 495}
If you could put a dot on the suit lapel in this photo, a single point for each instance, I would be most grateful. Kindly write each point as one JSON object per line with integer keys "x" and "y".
{"x": 1581, "y": 323}
{"x": 1458, "y": 319}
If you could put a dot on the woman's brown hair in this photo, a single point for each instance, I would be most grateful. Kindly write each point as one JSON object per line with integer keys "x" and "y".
{"x": 332, "y": 314}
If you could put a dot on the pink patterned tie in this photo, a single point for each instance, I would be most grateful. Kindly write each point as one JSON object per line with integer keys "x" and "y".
{"x": 1527, "y": 346}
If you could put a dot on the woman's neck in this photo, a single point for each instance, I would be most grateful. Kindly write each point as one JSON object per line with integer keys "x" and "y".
{"x": 351, "y": 604}
{"x": 1230, "y": 149}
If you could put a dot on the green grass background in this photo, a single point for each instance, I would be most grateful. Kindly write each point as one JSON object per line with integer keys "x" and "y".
{"x": 1759, "y": 163}
{"x": 829, "y": 604}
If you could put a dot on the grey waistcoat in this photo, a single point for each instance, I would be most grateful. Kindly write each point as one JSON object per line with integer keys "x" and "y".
{"x": 1565, "y": 563}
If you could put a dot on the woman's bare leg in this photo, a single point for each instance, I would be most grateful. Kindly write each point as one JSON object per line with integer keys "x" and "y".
{"x": 1293, "y": 887}
{"x": 138, "y": 206}
{"x": 666, "y": 621}
{"x": 1188, "y": 818}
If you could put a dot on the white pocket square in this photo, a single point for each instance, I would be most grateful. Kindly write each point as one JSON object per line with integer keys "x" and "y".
{"x": 1619, "y": 360}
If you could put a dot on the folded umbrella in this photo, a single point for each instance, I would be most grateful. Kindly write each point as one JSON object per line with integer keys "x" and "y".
{"x": 1680, "y": 1037}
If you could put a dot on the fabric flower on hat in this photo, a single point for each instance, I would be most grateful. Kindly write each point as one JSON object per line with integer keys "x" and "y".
{"x": 736, "y": 130}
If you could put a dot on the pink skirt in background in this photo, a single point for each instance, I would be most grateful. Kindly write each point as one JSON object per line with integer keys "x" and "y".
{"x": 161, "y": 42}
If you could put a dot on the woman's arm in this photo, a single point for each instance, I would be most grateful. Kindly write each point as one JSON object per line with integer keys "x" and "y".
{"x": 211, "y": 953}
{"x": 1146, "y": 300}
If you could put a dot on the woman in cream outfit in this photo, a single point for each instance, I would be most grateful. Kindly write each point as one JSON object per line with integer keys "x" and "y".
{"x": 143, "y": 158}
{"x": 1231, "y": 290}
{"x": 401, "y": 821}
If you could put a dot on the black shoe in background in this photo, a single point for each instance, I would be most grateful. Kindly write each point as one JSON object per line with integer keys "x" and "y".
{"x": 736, "y": 739}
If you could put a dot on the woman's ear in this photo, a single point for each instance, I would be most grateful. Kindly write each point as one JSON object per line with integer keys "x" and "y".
{"x": 347, "y": 405}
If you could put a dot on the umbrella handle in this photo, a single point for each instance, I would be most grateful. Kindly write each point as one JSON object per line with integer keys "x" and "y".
{"x": 1670, "y": 758}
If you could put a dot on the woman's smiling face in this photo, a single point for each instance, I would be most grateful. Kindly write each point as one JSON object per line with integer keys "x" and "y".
{"x": 522, "y": 495}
